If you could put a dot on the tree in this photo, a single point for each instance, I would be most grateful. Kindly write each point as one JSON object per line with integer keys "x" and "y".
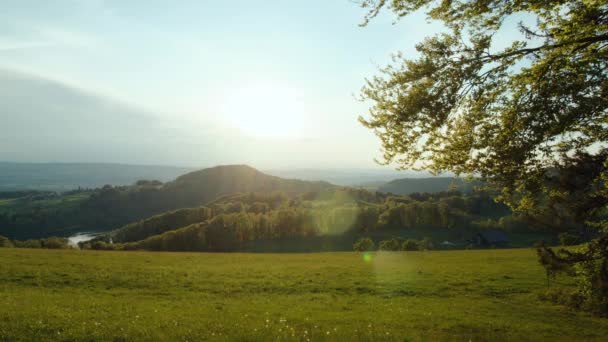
{"x": 389, "y": 245}
{"x": 529, "y": 116}
{"x": 426, "y": 244}
{"x": 55, "y": 243}
{"x": 409, "y": 245}
{"x": 364, "y": 245}
{"x": 5, "y": 242}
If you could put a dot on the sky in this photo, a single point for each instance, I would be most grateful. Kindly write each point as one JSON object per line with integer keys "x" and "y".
{"x": 272, "y": 84}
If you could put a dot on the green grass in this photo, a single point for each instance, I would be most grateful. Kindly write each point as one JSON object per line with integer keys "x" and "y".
{"x": 48, "y": 202}
{"x": 452, "y": 295}
{"x": 8, "y": 202}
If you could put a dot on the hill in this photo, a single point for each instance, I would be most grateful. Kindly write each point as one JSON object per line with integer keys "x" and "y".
{"x": 202, "y": 186}
{"x": 406, "y": 186}
{"x": 345, "y": 176}
{"x": 42, "y": 214}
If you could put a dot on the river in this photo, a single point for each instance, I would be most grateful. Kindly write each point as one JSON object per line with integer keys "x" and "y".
{"x": 81, "y": 237}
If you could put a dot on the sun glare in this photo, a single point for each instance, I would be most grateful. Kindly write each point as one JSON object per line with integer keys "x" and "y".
{"x": 264, "y": 110}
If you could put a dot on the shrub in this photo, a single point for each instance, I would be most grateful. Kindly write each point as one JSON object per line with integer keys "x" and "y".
{"x": 426, "y": 244}
{"x": 5, "y": 242}
{"x": 591, "y": 283}
{"x": 28, "y": 244}
{"x": 568, "y": 297}
{"x": 389, "y": 245}
{"x": 84, "y": 245}
{"x": 409, "y": 245}
{"x": 588, "y": 266}
{"x": 364, "y": 244}
{"x": 55, "y": 243}
{"x": 100, "y": 245}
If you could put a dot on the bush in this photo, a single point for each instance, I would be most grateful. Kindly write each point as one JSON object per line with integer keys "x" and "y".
{"x": 55, "y": 243}
{"x": 409, "y": 245}
{"x": 588, "y": 265}
{"x": 591, "y": 283}
{"x": 49, "y": 243}
{"x": 28, "y": 244}
{"x": 101, "y": 245}
{"x": 364, "y": 244}
{"x": 84, "y": 245}
{"x": 5, "y": 242}
{"x": 426, "y": 244}
{"x": 389, "y": 245}
{"x": 568, "y": 239}
{"x": 568, "y": 297}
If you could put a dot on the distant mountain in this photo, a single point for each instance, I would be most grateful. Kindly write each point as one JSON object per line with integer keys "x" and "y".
{"x": 70, "y": 176}
{"x": 407, "y": 186}
{"x": 347, "y": 177}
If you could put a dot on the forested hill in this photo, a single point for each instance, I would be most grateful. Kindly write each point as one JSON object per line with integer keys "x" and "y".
{"x": 42, "y": 214}
{"x": 208, "y": 184}
{"x": 406, "y": 186}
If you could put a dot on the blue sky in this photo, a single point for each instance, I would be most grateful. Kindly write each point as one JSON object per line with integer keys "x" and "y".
{"x": 198, "y": 83}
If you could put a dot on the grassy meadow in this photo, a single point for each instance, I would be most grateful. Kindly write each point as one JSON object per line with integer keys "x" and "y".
{"x": 43, "y": 202}
{"x": 69, "y": 295}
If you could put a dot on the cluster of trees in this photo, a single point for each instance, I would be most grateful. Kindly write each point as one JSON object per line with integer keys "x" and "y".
{"x": 161, "y": 223}
{"x": 228, "y": 223}
{"x": 48, "y": 243}
{"x": 367, "y": 244}
{"x": 444, "y": 210}
{"x": 226, "y": 232}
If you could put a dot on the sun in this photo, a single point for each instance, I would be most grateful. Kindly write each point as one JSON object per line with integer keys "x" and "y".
{"x": 264, "y": 110}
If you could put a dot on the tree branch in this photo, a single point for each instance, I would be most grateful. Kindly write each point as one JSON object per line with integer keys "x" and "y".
{"x": 588, "y": 41}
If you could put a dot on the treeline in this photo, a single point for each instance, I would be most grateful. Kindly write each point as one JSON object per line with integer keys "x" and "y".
{"x": 227, "y": 224}
{"x": 48, "y": 243}
{"x": 367, "y": 244}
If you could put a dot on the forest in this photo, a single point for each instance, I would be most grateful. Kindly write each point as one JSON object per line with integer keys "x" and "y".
{"x": 234, "y": 222}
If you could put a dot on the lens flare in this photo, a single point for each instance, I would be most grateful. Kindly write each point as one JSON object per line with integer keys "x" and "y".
{"x": 337, "y": 214}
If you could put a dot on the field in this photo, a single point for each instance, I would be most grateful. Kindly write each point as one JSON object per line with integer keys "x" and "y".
{"x": 123, "y": 296}
{"x": 42, "y": 201}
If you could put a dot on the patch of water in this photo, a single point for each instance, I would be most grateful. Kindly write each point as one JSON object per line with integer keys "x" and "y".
{"x": 81, "y": 237}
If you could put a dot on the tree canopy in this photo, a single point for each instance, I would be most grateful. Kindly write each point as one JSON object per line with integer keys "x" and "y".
{"x": 508, "y": 111}
{"x": 529, "y": 115}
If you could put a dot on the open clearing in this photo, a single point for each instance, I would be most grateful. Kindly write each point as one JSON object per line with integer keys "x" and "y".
{"x": 452, "y": 295}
